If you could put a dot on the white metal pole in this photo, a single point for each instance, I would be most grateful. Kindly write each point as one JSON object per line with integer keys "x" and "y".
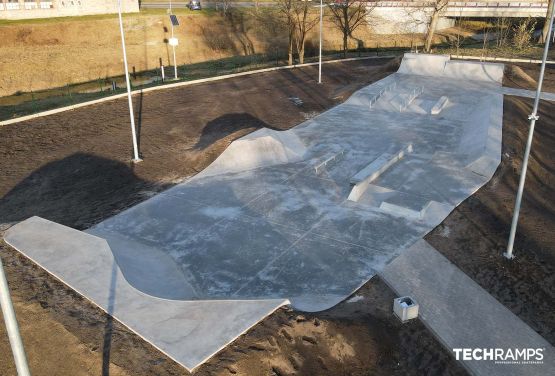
{"x": 320, "y": 61}
{"x": 533, "y": 117}
{"x": 11, "y": 325}
{"x": 173, "y": 46}
{"x": 131, "y": 113}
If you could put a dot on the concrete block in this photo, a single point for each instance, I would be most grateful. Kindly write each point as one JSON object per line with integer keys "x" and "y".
{"x": 403, "y": 211}
{"x": 405, "y": 308}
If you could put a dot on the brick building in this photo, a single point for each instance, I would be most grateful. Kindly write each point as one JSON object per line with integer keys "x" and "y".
{"x": 24, "y": 9}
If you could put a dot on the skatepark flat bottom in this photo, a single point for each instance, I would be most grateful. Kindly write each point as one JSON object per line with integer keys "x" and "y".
{"x": 269, "y": 222}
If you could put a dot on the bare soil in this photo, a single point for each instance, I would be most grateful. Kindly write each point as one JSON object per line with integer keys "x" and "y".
{"x": 525, "y": 76}
{"x": 74, "y": 168}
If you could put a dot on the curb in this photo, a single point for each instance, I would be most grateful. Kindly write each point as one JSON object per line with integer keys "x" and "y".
{"x": 509, "y": 60}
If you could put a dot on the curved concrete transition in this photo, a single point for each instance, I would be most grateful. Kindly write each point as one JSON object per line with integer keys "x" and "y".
{"x": 269, "y": 222}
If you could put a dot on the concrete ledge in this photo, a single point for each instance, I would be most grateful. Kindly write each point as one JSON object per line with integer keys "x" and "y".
{"x": 368, "y": 174}
{"x": 502, "y": 59}
{"x": 440, "y": 104}
{"x": 402, "y": 211}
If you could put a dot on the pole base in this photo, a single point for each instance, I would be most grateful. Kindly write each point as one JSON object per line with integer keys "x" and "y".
{"x": 136, "y": 160}
{"x": 508, "y": 256}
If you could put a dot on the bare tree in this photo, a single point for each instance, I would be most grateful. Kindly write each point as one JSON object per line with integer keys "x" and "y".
{"x": 304, "y": 20}
{"x": 286, "y": 9}
{"x": 438, "y": 7}
{"x": 348, "y": 15}
{"x": 224, "y": 6}
{"x": 550, "y": 10}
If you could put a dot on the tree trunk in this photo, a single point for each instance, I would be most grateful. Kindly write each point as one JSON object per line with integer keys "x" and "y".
{"x": 346, "y": 30}
{"x": 345, "y": 44}
{"x": 290, "y": 49}
{"x": 550, "y": 9}
{"x": 431, "y": 31}
{"x": 301, "y": 53}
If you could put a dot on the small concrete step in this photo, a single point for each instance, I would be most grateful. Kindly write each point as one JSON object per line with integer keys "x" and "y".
{"x": 405, "y": 206}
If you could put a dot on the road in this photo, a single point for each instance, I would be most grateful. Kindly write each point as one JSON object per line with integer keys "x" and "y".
{"x": 205, "y": 4}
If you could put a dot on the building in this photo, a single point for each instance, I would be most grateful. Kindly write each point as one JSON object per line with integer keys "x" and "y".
{"x": 25, "y": 9}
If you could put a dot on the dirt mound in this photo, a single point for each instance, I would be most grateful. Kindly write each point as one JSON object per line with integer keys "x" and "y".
{"x": 517, "y": 74}
{"x": 525, "y": 76}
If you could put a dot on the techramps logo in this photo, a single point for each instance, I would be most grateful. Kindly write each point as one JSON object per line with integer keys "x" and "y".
{"x": 501, "y": 356}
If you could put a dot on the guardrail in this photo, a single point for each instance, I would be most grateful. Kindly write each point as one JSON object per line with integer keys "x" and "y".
{"x": 462, "y": 4}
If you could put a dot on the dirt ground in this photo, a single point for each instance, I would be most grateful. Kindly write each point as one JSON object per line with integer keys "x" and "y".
{"x": 74, "y": 168}
{"x": 525, "y": 76}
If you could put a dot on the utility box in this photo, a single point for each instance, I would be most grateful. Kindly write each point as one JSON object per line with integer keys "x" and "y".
{"x": 406, "y": 308}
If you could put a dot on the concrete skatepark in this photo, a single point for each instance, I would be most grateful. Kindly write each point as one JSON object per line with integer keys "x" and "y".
{"x": 274, "y": 219}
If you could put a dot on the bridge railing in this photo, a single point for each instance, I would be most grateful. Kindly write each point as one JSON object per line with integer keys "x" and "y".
{"x": 463, "y": 4}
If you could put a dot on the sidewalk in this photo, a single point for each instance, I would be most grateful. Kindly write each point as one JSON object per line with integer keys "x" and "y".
{"x": 462, "y": 314}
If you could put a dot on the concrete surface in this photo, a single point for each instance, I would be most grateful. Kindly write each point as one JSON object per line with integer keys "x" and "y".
{"x": 528, "y": 93}
{"x": 462, "y": 314}
{"x": 187, "y": 331}
{"x": 257, "y": 229}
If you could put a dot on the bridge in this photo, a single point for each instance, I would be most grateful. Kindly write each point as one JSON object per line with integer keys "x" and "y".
{"x": 509, "y": 8}
{"x": 411, "y": 16}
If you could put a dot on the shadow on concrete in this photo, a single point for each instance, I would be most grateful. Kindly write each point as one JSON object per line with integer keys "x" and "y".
{"x": 228, "y": 124}
{"x": 77, "y": 191}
